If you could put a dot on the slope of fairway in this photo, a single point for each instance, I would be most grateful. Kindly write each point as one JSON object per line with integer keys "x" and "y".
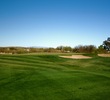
{"x": 50, "y": 77}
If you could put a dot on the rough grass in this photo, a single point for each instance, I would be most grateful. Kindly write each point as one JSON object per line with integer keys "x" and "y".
{"x": 49, "y": 77}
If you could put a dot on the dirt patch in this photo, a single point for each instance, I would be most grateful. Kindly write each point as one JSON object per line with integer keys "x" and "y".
{"x": 77, "y": 57}
{"x": 104, "y": 55}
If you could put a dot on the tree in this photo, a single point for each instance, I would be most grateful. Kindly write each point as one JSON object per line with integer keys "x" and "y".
{"x": 67, "y": 49}
{"x": 85, "y": 49}
{"x": 101, "y": 49}
{"x": 64, "y": 48}
{"x": 106, "y": 44}
{"x": 61, "y": 48}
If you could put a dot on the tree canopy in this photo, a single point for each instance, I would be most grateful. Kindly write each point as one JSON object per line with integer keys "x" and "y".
{"x": 106, "y": 44}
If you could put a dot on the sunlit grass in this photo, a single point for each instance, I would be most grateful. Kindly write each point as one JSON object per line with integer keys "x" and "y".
{"x": 49, "y": 77}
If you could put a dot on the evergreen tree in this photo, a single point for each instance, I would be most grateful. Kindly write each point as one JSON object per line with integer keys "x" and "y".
{"x": 106, "y": 44}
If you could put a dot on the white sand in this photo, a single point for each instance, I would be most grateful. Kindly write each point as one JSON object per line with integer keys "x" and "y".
{"x": 76, "y": 57}
{"x": 104, "y": 55}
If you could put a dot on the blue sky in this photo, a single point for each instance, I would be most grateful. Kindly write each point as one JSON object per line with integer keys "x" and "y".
{"x": 51, "y": 23}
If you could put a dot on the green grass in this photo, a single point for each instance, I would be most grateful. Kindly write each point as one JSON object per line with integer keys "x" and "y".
{"x": 49, "y": 77}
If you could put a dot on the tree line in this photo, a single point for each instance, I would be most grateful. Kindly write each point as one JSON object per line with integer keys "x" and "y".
{"x": 104, "y": 48}
{"x": 59, "y": 49}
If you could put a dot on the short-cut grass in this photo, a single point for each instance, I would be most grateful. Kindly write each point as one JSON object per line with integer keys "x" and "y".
{"x": 49, "y": 77}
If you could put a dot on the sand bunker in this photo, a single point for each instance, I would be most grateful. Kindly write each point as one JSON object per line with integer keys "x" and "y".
{"x": 104, "y": 55}
{"x": 77, "y": 57}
